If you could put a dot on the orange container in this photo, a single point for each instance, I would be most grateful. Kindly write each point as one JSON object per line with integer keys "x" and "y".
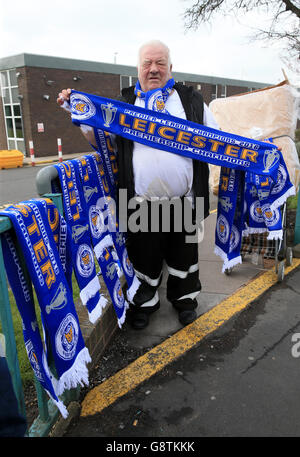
{"x": 11, "y": 158}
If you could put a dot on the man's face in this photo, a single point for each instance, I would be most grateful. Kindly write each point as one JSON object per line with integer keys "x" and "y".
{"x": 154, "y": 69}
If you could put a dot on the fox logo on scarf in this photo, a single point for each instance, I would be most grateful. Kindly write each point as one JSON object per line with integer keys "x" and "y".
{"x": 33, "y": 223}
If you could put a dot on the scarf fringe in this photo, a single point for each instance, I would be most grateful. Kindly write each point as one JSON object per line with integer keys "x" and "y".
{"x": 106, "y": 242}
{"x": 227, "y": 263}
{"x": 62, "y": 408}
{"x": 275, "y": 235}
{"x": 97, "y": 311}
{"x": 90, "y": 290}
{"x": 281, "y": 200}
{"x": 131, "y": 291}
{"x": 77, "y": 374}
{"x": 121, "y": 319}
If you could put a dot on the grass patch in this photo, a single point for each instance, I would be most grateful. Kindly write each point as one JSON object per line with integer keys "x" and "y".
{"x": 292, "y": 202}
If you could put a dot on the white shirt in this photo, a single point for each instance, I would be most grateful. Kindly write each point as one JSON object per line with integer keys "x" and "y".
{"x": 160, "y": 173}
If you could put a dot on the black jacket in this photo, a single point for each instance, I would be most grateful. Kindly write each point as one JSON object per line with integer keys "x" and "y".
{"x": 192, "y": 102}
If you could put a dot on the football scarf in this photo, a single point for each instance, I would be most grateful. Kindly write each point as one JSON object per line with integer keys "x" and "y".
{"x": 155, "y": 99}
{"x": 176, "y": 135}
{"x": 62, "y": 336}
{"x": 102, "y": 226}
{"x": 118, "y": 238}
{"x": 108, "y": 155}
{"x": 74, "y": 201}
{"x": 230, "y": 217}
{"x": 155, "y": 127}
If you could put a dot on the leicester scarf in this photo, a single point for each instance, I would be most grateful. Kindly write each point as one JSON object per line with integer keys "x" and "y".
{"x": 156, "y": 128}
{"x": 102, "y": 226}
{"x": 61, "y": 330}
{"x": 75, "y": 209}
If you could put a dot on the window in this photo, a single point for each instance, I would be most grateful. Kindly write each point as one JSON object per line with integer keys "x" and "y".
{"x": 127, "y": 81}
{"x": 12, "y": 110}
{"x": 223, "y": 91}
{"x": 214, "y": 92}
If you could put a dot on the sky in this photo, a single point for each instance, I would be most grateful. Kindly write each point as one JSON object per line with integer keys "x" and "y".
{"x": 113, "y": 30}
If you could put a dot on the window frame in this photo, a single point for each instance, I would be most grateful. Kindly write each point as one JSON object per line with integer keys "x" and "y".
{"x": 17, "y": 141}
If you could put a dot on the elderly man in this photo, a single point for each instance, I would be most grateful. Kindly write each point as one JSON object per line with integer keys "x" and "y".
{"x": 154, "y": 174}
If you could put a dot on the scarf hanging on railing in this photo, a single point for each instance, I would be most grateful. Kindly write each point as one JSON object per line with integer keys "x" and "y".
{"x": 107, "y": 151}
{"x": 99, "y": 221}
{"x": 179, "y": 136}
{"x": 117, "y": 236}
{"x": 61, "y": 330}
{"x": 82, "y": 252}
{"x": 230, "y": 217}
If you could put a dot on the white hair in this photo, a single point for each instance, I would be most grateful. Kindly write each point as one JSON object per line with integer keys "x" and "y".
{"x": 155, "y": 43}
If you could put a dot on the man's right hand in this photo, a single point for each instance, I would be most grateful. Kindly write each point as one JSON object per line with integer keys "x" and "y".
{"x": 63, "y": 96}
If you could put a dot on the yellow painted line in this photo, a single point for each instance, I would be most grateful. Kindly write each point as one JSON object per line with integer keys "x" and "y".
{"x": 155, "y": 360}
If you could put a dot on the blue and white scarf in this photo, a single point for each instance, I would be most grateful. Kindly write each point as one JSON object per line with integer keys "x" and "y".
{"x": 163, "y": 131}
{"x": 62, "y": 336}
{"x": 155, "y": 99}
{"x": 176, "y": 135}
{"x": 75, "y": 209}
{"x": 102, "y": 226}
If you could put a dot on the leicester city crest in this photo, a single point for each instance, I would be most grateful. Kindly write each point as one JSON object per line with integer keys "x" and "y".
{"x": 96, "y": 221}
{"x": 85, "y": 260}
{"x": 66, "y": 337}
{"x": 271, "y": 217}
{"x": 234, "y": 239}
{"x": 256, "y": 212}
{"x": 127, "y": 264}
{"x": 81, "y": 107}
{"x": 281, "y": 180}
{"x": 223, "y": 229}
{"x": 118, "y": 295}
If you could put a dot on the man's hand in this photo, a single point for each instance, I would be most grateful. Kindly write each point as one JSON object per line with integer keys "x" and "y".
{"x": 267, "y": 141}
{"x": 63, "y": 96}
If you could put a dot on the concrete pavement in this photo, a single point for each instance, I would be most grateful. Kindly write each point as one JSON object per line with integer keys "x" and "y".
{"x": 241, "y": 381}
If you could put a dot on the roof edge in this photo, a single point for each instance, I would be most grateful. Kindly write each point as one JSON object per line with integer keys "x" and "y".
{"x": 37, "y": 60}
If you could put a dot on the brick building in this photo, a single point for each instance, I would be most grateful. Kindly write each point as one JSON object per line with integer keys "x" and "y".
{"x": 30, "y": 85}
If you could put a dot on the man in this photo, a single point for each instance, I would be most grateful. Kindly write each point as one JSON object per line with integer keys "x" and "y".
{"x": 154, "y": 174}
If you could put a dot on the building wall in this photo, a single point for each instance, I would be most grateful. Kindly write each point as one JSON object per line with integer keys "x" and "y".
{"x": 57, "y": 124}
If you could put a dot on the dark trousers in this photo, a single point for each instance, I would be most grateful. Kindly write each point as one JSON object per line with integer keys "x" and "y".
{"x": 148, "y": 250}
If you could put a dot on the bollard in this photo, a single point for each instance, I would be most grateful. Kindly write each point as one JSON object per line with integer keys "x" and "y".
{"x": 32, "y": 153}
{"x": 59, "y": 149}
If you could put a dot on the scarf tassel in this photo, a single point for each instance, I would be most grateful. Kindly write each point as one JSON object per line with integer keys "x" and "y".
{"x": 131, "y": 291}
{"x": 96, "y": 313}
{"x": 77, "y": 374}
{"x": 227, "y": 263}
